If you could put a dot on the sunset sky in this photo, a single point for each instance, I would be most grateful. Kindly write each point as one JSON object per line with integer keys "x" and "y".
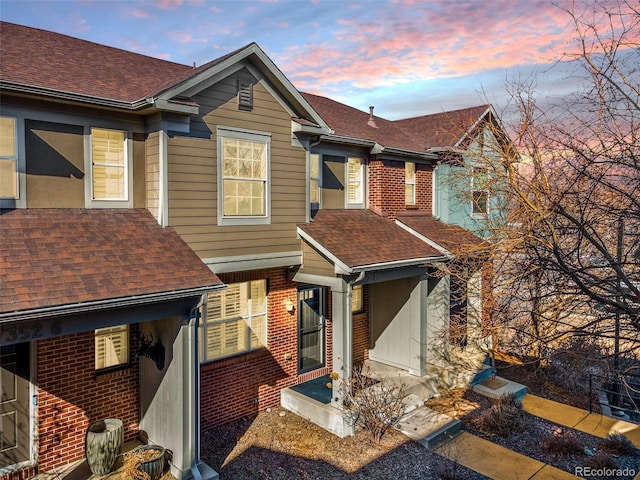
{"x": 406, "y": 57}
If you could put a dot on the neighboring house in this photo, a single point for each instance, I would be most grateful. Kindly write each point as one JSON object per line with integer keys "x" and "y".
{"x": 469, "y": 144}
{"x": 373, "y": 237}
{"x": 126, "y": 181}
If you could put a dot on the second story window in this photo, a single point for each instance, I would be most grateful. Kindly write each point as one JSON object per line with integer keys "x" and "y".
{"x": 479, "y": 193}
{"x": 355, "y": 182}
{"x": 410, "y": 183}
{"x": 243, "y": 168}
{"x": 314, "y": 181}
{"x": 8, "y": 158}
{"x": 109, "y": 169}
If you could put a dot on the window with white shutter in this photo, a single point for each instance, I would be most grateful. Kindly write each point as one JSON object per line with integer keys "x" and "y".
{"x": 111, "y": 347}
{"x": 8, "y": 157}
{"x": 355, "y": 182}
{"x": 235, "y": 321}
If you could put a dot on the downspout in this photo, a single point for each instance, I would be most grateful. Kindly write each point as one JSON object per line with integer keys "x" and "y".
{"x": 194, "y": 324}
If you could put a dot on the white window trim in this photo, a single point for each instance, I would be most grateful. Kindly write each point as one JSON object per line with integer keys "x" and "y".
{"x": 413, "y": 183}
{"x": 21, "y": 200}
{"x": 251, "y": 135}
{"x": 473, "y": 214}
{"x": 89, "y": 201}
{"x": 355, "y": 205}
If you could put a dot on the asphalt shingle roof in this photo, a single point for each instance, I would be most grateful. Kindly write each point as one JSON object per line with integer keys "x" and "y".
{"x": 49, "y": 60}
{"x": 455, "y": 239}
{"x": 442, "y": 130}
{"x": 57, "y": 257}
{"x": 360, "y": 237}
{"x": 350, "y": 122}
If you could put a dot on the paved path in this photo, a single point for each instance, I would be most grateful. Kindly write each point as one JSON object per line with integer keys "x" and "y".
{"x": 578, "y": 419}
{"x": 499, "y": 463}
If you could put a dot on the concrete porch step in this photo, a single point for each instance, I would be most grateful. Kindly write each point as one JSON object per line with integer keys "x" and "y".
{"x": 429, "y": 428}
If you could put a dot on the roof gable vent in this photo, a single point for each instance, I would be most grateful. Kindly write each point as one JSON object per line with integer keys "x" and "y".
{"x": 371, "y": 122}
{"x": 245, "y": 93}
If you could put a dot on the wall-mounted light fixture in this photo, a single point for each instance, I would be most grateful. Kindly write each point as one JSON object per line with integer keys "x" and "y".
{"x": 289, "y": 305}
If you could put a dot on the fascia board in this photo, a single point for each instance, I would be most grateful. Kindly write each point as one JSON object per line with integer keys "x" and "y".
{"x": 470, "y": 129}
{"x": 13, "y": 317}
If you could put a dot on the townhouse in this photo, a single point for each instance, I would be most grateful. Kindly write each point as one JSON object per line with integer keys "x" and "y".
{"x": 253, "y": 237}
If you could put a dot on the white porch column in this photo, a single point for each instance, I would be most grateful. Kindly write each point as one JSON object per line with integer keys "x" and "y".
{"x": 438, "y": 298}
{"x": 342, "y": 336}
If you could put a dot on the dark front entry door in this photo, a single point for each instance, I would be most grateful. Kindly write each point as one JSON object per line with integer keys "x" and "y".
{"x": 14, "y": 404}
{"x": 310, "y": 329}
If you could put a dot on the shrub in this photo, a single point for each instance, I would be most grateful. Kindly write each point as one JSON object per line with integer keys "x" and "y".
{"x": 563, "y": 445}
{"x": 505, "y": 417}
{"x": 601, "y": 460}
{"x": 617, "y": 444}
{"x": 376, "y": 406}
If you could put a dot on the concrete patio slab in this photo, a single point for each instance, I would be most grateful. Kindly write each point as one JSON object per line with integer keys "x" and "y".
{"x": 497, "y": 387}
{"x": 429, "y": 428}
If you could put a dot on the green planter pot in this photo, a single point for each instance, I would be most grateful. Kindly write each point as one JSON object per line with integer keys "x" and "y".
{"x": 154, "y": 467}
{"x": 102, "y": 444}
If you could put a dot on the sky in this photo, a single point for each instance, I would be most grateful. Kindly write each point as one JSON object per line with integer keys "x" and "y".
{"x": 405, "y": 57}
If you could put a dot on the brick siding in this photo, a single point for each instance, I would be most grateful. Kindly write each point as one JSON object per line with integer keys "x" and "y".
{"x": 71, "y": 396}
{"x": 387, "y": 187}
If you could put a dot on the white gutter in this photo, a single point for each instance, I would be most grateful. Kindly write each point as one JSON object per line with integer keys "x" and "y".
{"x": 58, "y": 310}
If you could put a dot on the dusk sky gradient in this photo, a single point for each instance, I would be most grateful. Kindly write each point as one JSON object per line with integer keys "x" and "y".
{"x": 406, "y": 57}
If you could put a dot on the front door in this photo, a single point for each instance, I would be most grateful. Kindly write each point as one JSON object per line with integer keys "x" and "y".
{"x": 14, "y": 404}
{"x": 311, "y": 335}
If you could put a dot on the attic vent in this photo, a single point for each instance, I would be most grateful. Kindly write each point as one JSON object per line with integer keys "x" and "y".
{"x": 245, "y": 93}
{"x": 371, "y": 122}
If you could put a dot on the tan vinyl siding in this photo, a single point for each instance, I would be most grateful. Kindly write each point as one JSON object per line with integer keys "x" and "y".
{"x": 153, "y": 173}
{"x": 55, "y": 165}
{"x": 314, "y": 263}
{"x": 193, "y": 177}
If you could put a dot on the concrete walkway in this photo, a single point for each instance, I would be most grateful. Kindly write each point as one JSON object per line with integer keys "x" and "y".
{"x": 499, "y": 463}
{"x": 581, "y": 420}
{"x": 496, "y": 462}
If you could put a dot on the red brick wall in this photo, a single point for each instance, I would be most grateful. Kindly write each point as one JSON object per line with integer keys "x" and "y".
{"x": 20, "y": 474}
{"x": 361, "y": 330}
{"x": 246, "y": 384}
{"x": 71, "y": 396}
{"x": 386, "y": 187}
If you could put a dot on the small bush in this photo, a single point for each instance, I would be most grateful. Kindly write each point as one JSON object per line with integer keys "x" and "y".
{"x": 505, "y": 417}
{"x": 563, "y": 445}
{"x": 601, "y": 460}
{"x": 617, "y": 444}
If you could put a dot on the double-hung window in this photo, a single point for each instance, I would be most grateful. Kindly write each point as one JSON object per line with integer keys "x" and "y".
{"x": 8, "y": 158}
{"x": 243, "y": 172}
{"x": 111, "y": 347}
{"x": 410, "y": 183}
{"x": 479, "y": 192}
{"x": 236, "y": 320}
{"x": 314, "y": 182}
{"x": 355, "y": 182}
{"x": 110, "y": 169}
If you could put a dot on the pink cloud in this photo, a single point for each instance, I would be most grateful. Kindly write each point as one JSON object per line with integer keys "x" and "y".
{"x": 168, "y": 4}
{"x": 422, "y": 40}
{"x": 139, "y": 13}
{"x": 185, "y": 37}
